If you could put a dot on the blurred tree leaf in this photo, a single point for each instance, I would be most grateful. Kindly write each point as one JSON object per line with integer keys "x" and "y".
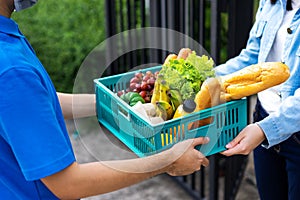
{"x": 62, "y": 34}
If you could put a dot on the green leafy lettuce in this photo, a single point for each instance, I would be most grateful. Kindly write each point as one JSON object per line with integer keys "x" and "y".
{"x": 188, "y": 75}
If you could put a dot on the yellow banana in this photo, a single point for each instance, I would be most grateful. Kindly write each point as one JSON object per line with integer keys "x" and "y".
{"x": 163, "y": 90}
{"x": 156, "y": 93}
{"x": 175, "y": 98}
{"x": 156, "y": 90}
{"x": 164, "y": 110}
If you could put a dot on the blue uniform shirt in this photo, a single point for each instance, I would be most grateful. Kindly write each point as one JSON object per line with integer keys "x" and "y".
{"x": 34, "y": 142}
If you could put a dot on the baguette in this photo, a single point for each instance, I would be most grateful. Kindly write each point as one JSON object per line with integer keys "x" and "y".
{"x": 245, "y": 82}
{"x": 254, "y": 79}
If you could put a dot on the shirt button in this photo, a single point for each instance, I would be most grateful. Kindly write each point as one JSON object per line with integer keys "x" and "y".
{"x": 289, "y": 30}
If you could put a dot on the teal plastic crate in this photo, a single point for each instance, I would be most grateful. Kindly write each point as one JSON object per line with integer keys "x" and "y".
{"x": 145, "y": 139}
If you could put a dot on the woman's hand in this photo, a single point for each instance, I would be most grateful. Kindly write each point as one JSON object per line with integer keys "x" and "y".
{"x": 189, "y": 159}
{"x": 249, "y": 138}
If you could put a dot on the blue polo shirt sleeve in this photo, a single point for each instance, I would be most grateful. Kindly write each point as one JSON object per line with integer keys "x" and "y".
{"x": 32, "y": 124}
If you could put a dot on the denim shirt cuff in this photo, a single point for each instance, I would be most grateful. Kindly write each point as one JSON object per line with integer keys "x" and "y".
{"x": 272, "y": 132}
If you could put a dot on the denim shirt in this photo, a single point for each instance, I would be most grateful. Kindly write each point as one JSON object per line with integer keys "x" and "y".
{"x": 280, "y": 125}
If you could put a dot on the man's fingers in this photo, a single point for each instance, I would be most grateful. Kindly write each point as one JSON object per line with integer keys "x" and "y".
{"x": 205, "y": 162}
{"x": 200, "y": 140}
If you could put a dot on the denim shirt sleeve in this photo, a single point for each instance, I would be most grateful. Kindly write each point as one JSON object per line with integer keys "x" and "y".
{"x": 249, "y": 55}
{"x": 280, "y": 125}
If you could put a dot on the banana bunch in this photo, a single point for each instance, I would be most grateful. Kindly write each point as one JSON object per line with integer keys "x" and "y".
{"x": 165, "y": 99}
{"x": 164, "y": 110}
{"x": 160, "y": 90}
{"x": 175, "y": 98}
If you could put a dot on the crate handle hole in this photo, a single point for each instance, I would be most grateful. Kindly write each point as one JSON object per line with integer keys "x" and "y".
{"x": 123, "y": 112}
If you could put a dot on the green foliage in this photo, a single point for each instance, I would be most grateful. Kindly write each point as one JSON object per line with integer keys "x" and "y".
{"x": 62, "y": 34}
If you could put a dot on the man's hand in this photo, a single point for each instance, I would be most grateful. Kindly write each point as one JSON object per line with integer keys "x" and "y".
{"x": 249, "y": 138}
{"x": 189, "y": 159}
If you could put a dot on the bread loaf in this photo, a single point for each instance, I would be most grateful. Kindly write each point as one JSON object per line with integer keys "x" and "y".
{"x": 169, "y": 57}
{"x": 245, "y": 82}
{"x": 254, "y": 79}
{"x": 184, "y": 53}
{"x": 208, "y": 96}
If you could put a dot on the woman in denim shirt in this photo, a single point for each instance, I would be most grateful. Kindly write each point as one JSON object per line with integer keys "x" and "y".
{"x": 275, "y": 36}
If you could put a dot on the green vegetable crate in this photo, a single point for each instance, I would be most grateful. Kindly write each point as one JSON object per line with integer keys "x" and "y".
{"x": 144, "y": 139}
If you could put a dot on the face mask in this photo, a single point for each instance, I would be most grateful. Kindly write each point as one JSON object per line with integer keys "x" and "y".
{"x": 22, "y": 4}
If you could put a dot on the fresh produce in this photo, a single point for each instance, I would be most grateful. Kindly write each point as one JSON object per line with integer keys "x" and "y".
{"x": 180, "y": 78}
{"x": 142, "y": 84}
{"x": 132, "y": 98}
{"x": 164, "y": 110}
{"x": 175, "y": 98}
{"x": 169, "y": 57}
{"x": 187, "y": 75}
{"x": 187, "y": 107}
{"x": 190, "y": 78}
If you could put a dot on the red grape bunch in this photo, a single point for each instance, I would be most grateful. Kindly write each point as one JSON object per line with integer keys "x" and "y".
{"x": 143, "y": 83}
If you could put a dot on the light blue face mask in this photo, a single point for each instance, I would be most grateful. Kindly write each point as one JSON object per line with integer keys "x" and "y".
{"x": 22, "y": 4}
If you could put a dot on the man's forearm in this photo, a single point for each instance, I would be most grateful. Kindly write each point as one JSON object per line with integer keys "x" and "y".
{"x": 77, "y": 105}
{"x": 83, "y": 180}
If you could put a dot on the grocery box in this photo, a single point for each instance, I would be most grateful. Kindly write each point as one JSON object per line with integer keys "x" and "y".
{"x": 145, "y": 139}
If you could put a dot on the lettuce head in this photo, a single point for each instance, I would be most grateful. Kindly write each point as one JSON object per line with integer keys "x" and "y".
{"x": 188, "y": 75}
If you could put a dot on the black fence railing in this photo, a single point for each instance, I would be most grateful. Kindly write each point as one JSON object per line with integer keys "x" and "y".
{"x": 220, "y": 26}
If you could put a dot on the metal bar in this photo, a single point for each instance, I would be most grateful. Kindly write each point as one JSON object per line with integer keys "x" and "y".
{"x": 155, "y": 21}
{"x": 202, "y": 184}
{"x": 172, "y": 16}
{"x": 235, "y": 168}
{"x": 134, "y": 54}
{"x": 191, "y": 14}
{"x": 201, "y": 23}
{"x": 240, "y": 23}
{"x": 213, "y": 177}
{"x": 194, "y": 194}
{"x": 110, "y": 30}
{"x": 110, "y": 18}
{"x": 143, "y": 24}
{"x": 164, "y": 24}
{"x": 186, "y": 22}
{"x": 122, "y": 59}
{"x": 181, "y": 20}
{"x": 215, "y": 31}
{"x": 129, "y": 25}
{"x": 193, "y": 181}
